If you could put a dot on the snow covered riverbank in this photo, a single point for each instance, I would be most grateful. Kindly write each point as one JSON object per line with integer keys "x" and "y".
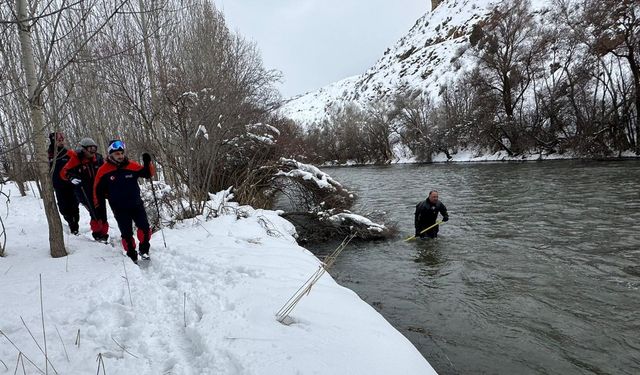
{"x": 206, "y": 304}
{"x": 473, "y": 156}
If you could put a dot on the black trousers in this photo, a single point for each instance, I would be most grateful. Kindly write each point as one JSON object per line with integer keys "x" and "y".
{"x": 85, "y": 197}
{"x": 68, "y": 206}
{"x": 126, "y": 216}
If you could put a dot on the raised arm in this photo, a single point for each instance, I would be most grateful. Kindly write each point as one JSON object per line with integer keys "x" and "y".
{"x": 148, "y": 169}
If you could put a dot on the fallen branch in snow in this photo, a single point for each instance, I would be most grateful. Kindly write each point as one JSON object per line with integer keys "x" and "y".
{"x": 20, "y": 354}
{"x": 44, "y": 333}
{"x": 100, "y": 364}
{"x": 319, "y": 205}
{"x": 37, "y": 344}
{"x": 127, "y": 279}
{"x": 316, "y": 227}
{"x": 283, "y": 314}
{"x": 269, "y": 227}
{"x": 77, "y": 343}
{"x": 248, "y": 338}
{"x": 63, "y": 346}
{"x": 18, "y": 361}
{"x": 124, "y": 349}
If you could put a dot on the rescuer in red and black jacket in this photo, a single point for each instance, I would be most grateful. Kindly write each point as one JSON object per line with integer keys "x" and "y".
{"x": 81, "y": 171}
{"x": 65, "y": 196}
{"x": 117, "y": 180}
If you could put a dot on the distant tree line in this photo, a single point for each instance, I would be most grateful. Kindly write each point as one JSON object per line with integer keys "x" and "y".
{"x": 570, "y": 83}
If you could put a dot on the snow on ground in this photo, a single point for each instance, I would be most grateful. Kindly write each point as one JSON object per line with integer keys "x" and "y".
{"x": 206, "y": 304}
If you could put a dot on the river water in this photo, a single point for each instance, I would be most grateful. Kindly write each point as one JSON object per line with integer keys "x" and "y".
{"x": 536, "y": 272}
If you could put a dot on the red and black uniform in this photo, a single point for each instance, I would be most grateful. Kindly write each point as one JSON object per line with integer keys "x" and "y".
{"x": 65, "y": 197}
{"x": 118, "y": 182}
{"x": 85, "y": 168}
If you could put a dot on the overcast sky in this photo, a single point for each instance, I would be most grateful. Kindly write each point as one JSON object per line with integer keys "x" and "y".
{"x": 316, "y": 42}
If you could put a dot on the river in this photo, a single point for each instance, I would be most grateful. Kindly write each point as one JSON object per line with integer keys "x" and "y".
{"x": 536, "y": 272}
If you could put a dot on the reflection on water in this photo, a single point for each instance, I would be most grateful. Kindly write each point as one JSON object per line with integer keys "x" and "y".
{"x": 537, "y": 271}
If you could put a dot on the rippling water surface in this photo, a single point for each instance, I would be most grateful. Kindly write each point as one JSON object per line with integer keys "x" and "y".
{"x": 538, "y": 270}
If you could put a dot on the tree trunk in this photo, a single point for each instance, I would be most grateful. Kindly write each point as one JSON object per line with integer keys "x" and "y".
{"x": 148, "y": 60}
{"x": 56, "y": 241}
{"x": 635, "y": 70}
{"x": 17, "y": 173}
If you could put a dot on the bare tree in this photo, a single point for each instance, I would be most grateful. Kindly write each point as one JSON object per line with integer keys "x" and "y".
{"x": 509, "y": 49}
{"x": 41, "y": 71}
{"x": 615, "y": 24}
{"x": 34, "y": 95}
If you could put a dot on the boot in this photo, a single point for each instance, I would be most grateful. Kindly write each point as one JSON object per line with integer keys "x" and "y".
{"x": 133, "y": 254}
{"x": 144, "y": 250}
{"x": 129, "y": 246}
{"x": 73, "y": 221}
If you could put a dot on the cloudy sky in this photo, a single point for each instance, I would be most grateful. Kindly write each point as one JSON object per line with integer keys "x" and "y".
{"x": 316, "y": 42}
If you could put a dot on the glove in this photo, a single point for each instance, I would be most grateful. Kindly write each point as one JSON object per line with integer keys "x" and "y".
{"x": 76, "y": 181}
{"x": 445, "y": 219}
{"x": 146, "y": 158}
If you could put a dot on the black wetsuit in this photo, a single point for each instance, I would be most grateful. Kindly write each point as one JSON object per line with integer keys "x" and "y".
{"x": 426, "y": 215}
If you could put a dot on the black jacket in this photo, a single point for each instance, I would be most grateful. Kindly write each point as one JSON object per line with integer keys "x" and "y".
{"x": 426, "y": 215}
{"x": 119, "y": 183}
{"x": 83, "y": 168}
{"x": 57, "y": 160}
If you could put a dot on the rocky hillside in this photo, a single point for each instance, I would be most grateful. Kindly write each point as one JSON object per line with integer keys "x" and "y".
{"x": 433, "y": 52}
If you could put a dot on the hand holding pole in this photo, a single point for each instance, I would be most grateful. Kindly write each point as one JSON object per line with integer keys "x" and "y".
{"x": 424, "y": 230}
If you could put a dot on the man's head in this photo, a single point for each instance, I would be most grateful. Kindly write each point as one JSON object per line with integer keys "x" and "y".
{"x": 116, "y": 150}
{"x": 57, "y": 138}
{"x": 433, "y": 196}
{"x": 89, "y": 146}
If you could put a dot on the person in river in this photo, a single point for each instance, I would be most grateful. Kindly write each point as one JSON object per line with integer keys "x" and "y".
{"x": 426, "y": 215}
{"x": 64, "y": 190}
{"x": 117, "y": 181}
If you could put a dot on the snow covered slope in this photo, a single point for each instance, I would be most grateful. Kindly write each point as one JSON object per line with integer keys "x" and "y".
{"x": 206, "y": 304}
{"x": 433, "y": 52}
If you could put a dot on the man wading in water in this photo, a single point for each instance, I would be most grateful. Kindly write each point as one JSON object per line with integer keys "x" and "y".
{"x": 427, "y": 213}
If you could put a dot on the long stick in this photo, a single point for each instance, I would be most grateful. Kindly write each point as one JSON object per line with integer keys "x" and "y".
{"x": 155, "y": 199}
{"x": 63, "y": 345}
{"x": 89, "y": 204}
{"x": 20, "y": 351}
{"x": 37, "y": 344}
{"x": 424, "y": 230}
{"x": 127, "y": 279}
{"x": 44, "y": 332}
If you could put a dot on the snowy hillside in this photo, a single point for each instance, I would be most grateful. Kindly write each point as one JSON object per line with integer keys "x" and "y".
{"x": 206, "y": 304}
{"x": 433, "y": 52}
